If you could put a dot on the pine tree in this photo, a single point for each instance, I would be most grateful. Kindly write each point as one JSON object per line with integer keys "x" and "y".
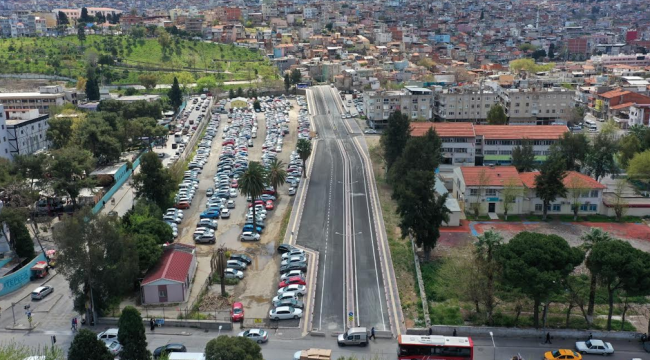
{"x": 132, "y": 336}
{"x": 175, "y": 95}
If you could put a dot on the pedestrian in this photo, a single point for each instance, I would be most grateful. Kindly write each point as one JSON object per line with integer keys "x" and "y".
{"x": 372, "y": 333}
{"x": 152, "y": 324}
{"x": 548, "y": 338}
{"x": 72, "y": 325}
{"x": 454, "y": 334}
{"x": 591, "y": 336}
{"x": 430, "y": 330}
{"x": 103, "y": 203}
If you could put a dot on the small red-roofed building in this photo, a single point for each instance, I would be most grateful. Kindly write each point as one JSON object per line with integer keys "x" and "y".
{"x": 170, "y": 280}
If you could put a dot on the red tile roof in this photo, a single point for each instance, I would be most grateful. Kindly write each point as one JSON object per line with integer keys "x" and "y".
{"x": 572, "y": 179}
{"x": 614, "y": 93}
{"x": 622, "y": 106}
{"x": 515, "y": 132}
{"x": 495, "y": 176}
{"x": 174, "y": 265}
{"x": 443, "y": 129}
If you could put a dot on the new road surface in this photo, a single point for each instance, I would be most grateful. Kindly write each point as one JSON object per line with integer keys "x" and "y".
{"x": 338, "y": 222}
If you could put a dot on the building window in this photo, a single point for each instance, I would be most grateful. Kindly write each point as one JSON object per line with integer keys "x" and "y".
{"x": 556, "y": 207}
{"x": 593, "y": 207}
{"x": 538, "y": 207}
{"x": 490, "y": 192}
{"x": 593, "y": 193}
{"x": 473, "y": 192}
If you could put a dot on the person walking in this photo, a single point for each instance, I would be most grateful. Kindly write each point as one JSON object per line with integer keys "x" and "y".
{"x": 372, "y": 333}
{"x": 454, "y": 334}
{"x": 430, "y": 330}
{"x": 548, "y": 338}
{"x": 72, "y": 325}
{"x": 152, "y": 324}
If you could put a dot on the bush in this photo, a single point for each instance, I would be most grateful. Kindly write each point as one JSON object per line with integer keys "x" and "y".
{"x": 445, "y": 314}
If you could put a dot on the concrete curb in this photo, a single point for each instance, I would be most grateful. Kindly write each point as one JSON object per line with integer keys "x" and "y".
{"x": 50, "y": 307}
{"x": 317, "y": 333}
{"x": 19, "y": 328}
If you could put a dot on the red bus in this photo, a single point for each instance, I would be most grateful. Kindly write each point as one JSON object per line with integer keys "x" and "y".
{"x": 434, "y": 347}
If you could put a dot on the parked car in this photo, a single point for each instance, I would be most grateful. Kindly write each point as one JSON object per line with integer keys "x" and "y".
{"x": 562, "y": 354}
{"x": 299, "y": 290}
{"x": 236, "y": 264}
{"x": 293, "y": 266}
{"x": 293, "y": 252}
{"x": 285, "y": 312}
{"x": 283, "y": 248}
{"x": 113, "y": 346}
{"x": 210, "y": 214}
{"x": 249, "y": 236}
{"x": 107, "y": 334}
{"x": 241, "y": 257}
{"x": 292, "y": 191}
{"x": 237, "y": 312}
{"x": 233, "y": 274}
{"x": 257, "y": 335}
{"x": 594, "y": 346}
{"x": 291, "y": 273}
{"x": 289, "y": 302}
{"x": 295, "y": 280}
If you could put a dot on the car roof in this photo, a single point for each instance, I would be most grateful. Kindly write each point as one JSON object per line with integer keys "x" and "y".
{"x": 597, "y": 342}
{"x": 237, "y": 305}
{"x": 40, "y": 288}
{"x": 174, "y": 346}
{"x": 283, "y": 308}
{"x": 109, "y": 331}
{"x": 566, "y": 352}
{"x": 255, "y": 331}
{"x": 295, "y": 277}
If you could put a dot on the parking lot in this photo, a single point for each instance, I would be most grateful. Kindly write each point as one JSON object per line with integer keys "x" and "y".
{"x": 232, "y": 140}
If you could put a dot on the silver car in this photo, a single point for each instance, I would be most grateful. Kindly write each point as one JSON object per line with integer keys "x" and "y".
{"x": 285, "y": 312}
{"x": 593, "y": 346}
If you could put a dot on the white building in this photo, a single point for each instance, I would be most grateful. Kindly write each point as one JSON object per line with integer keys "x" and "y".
{"x": 464, "y": 104}
{"x": 309, "y": 12}
{"x": 632, "y": 60}
{"x": 415, "y": 102}
{"x": 26, "y": 131}
{"x": 483, "y": 188}
{"x": 639, "y": 114}
{"x": 4, "y": 142}
{"x": 42, "y": 100}
{"x": 536, "y": 106}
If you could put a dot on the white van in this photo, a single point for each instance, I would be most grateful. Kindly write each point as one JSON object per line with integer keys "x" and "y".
{"x": 354, "y": 336}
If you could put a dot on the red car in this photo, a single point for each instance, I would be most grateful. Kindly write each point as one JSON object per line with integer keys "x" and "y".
{"x": 297, "y": 280}
{"x": 234, "y": 184}
{"x": 257, "y": 202}
{"x": 269, "y": 205}
{"x": 237, "y": 312}
{"x": 269, "y": 191}
{"x": 183, "y": 205}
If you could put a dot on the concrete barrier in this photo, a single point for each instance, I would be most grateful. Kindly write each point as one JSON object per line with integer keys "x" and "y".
{"x": 484, "y": 331}
{"x": 199, "y": 324}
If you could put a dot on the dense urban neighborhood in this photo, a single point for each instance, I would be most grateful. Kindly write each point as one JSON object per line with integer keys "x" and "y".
{"x": 227, "y": 180}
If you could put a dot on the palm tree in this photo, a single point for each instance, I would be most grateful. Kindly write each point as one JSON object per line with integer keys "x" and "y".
{"x": 595, "y": 235}
{"x": 304, "y": 151}
{"x": 252, "y": 183}
{"x": 276, "y": 174}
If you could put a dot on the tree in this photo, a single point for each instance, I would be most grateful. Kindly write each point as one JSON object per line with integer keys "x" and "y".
{"x": 81, "y": 34}
{"x": 84, "y": 15}
{"x": 523, "y": 157}
{"x": 482, "y": 181}
{"x": 496, "y": 115}
{"x": 232, "y": 348}
{"x": 149, "y": 81}
{"x": 69, "y": 170}
{"x": 154, "y": 182}
{"x": 287, "y": 82}
{"x": 62, "y": 19}
{"x": 295, "y": 76}
{"x": 240, "y": 92}
{"x": 303, "y": 148}
{"x": 485, "y": 256}
{"x": 573, "y": 148}
{"x": 131, "y": 335}
{"x": 551, "y": 51}
{"x": 231, "y": 94}
{"x": 206, "y": 82}
{"x": 619, "y": 204}
{"x": 594, "y": 236}
{"x": 257, "y": 105}
{"x": 394, "y": 138}
{"x": 85, "y": 345}
{"x": 629, "y": 146}
{"x": 96, "y": 258}
{"x": 252, "y": 183}
{"x": 421, "y": 210}
{"x": 149, "y": 251}
{"x": 164, "y": 39}
{"x": 175, "y": 95}
{"x": 511, "y": 191}
{"x": 549, "y": 183}
{"x": 420, "y": 153}
{"x": 577, "y": 188}
{"x": 639, "y": 166}
{"x": 31, "y": 167}
{"x": 530, "y": 66}
{"x": 95, "y": 134}
{"x": 276, "y": 174}
{"x": 618, "y": 266}
{"x": 537, "y": 265}
{"x": 329, "y": 26}
{"x": 19, "y": 237}
{"x": 600, "y": 159}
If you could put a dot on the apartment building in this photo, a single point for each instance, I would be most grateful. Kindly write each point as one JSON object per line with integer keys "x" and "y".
{"x": 4, "y": 143}
{"x": 536, "y": 105}
{"x": 42, "y": 100}
{"x": 26, "y": 131}
{"x": 483, "y": 188}
{"x": 463, "y": 104}
{"x": 20, "y": 25}
{"x": 415, "y": 102}
{"x": 75, "y": 14}
{"x": 194, "y": 25}
{"x": 466, "y": 144}
{"x": 622, "y": 59}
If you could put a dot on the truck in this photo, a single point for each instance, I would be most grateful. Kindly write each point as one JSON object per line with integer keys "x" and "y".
{"x": 313, "y": 354}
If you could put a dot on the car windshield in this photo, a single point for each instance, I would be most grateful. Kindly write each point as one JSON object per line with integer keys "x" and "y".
{"x": 588, "y": 343}
{"x": 237, "y": 311}
{"x": 556, "y": 353}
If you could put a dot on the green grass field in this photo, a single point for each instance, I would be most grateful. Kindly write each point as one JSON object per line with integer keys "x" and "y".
{"x": 64, "y": 56}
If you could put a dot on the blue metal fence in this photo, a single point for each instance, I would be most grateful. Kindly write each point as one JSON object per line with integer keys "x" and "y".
{"x": 125, "y": 174}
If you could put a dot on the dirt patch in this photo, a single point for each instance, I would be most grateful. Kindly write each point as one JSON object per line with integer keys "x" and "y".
{"x": 22, "y": 85}
{"x": 401, "y": 252}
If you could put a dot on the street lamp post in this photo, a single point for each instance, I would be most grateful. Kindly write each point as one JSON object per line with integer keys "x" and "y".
{"x": 220, "y": 327}
{"x": 494, "y": 346}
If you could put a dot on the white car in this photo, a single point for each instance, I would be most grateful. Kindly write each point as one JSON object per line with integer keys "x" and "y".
{"x": 233, "y": 193}
{"x": 225, "y": 213}
{"x": 285, "y": 295}
{"x": 233, "y": 274}
{"x": 249, "y": 236}
{"x": 292, "y": 191}
{"x": 293, "y": 252}
{"x": 299, "y": 290}
{"x": 107, "y": 335}
{"x": 257, "y": 335}
{"x": 291, "y": 274}
{"x": 593, "y": 346}
{"x": 285, "y": 312}
{"x": 230, "y": 204}
{"x": 293, "y": 259}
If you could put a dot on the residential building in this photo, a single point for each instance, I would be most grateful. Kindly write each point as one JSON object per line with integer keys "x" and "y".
{"x": 171, "y": 279}
{"x": 483, "y": 188}
{"x": 639, "y": 115}
{"x": 578, "y": 46}
{"x": 464, "y": 104}
{"x": 75, "y": 14}
{"x": 415, "y": 102}
{"x": 42, "y": 100}
{"x": 194, "y": 25}
{"x": 623, "y": 59}
{"x": 4, "y": 142}
{"x": 20, "y": 25}
{"x": 608, "y": 103}
{"x": 26, "y": 131}
{"x": 466, "y": 144}
{"x": 536, "y": 105}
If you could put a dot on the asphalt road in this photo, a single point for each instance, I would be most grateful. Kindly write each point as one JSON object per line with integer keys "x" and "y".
{"x": 333, "y": 192}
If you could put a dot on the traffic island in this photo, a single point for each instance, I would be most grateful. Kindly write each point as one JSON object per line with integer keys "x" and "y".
{"x": 23, "y": 327}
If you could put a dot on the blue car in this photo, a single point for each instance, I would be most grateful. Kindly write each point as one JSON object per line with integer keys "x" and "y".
{"x": 249, "y": 227}
{"x": 210, "y": 214}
